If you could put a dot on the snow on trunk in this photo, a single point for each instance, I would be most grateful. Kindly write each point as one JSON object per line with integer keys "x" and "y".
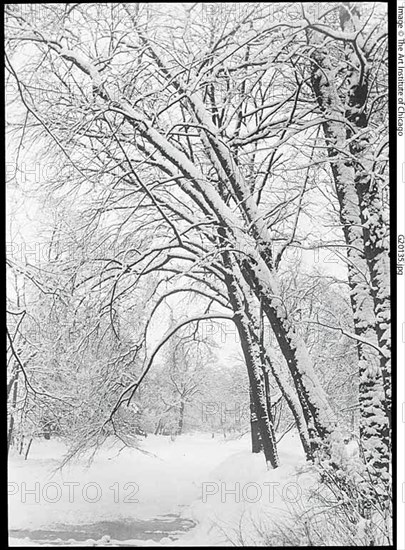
{"x": 252, "y": 354}
{"x": 280, "y": 377}
{"x": 366, "y": 270}
{"x": 317, "y": 412}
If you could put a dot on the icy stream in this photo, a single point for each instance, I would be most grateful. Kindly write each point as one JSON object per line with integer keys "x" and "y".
{"x": 118, "y": 531}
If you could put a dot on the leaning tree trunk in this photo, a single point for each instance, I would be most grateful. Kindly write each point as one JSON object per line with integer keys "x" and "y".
{"x": 266, "y": 382}
{"x": 259, "y": 398}
{"x": 252, "y": 354}
{"x": 318, "y": 415}
{"x": 294, "y": 406}
{"x": 280, "y": 377}
{"x": 257, "y": 446}
{"x": 254, "y": 423}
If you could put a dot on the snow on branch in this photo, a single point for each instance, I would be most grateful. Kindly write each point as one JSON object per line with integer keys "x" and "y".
{"x": 351, "y": 335}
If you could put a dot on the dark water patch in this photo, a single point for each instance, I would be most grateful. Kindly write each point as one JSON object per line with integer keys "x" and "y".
{"x": 171, "y": 526}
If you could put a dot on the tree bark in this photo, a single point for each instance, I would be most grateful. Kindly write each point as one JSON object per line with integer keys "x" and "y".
{"x": 319, "y": 417}
{"x": 257, "y": 446}
{"x": 181, "y": 418}
{"x": 366, "y": 250}
{"x": 252, "y": 355}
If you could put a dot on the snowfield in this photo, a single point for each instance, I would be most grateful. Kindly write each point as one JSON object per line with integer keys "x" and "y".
{"x": 207, "y": 491}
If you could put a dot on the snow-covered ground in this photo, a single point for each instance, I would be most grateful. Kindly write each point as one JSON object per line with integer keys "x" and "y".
{"x": 217, "y": 483}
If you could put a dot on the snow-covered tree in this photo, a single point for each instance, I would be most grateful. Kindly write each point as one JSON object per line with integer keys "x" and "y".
{"x": 202, "y": 144}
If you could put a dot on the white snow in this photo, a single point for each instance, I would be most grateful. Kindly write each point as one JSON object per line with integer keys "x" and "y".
{"x": 217, "y": 483}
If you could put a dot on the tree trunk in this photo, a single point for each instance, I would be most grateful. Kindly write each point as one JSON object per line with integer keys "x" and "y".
{"x": 280, "y": 378}
{"x": 295, "y": 408}
{"x": 368, "y": 298}
{"x": 158, "y": 429}
{"x": 181, "y": 418}
{"x": 319, "y": 417}
{"x": 252, "y": 354}
{"x": 28, "y": 449}
{"x": 10, "y": 434}
{"x": 266, "y": 382}
{"x": 257, "y": 446}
